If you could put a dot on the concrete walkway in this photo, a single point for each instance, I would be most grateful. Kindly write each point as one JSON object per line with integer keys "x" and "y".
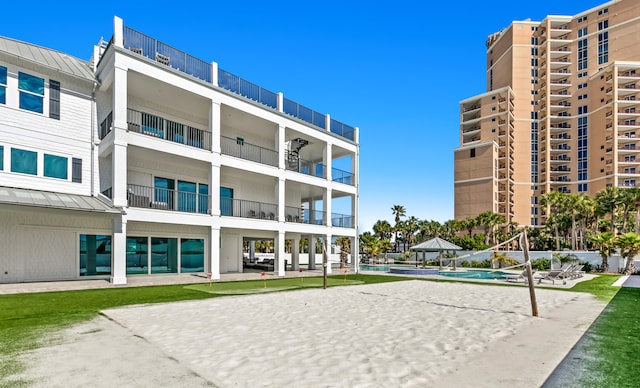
{"x": 144, "y": 280}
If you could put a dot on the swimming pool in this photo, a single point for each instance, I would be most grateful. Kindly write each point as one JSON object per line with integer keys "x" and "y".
{"x": 463, "y": 274}
{"x": 474, "y": 274}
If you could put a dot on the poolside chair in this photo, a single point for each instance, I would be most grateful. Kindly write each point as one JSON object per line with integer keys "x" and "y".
{"x": 555, "y": 274}
{"x": 516, "y": 277}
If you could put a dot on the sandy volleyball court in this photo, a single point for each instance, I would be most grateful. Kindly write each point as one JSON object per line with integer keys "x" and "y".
{"x": 410, "y": 333}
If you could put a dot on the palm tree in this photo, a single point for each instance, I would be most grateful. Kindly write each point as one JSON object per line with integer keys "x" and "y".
{"x": 468, "y": 224}
{"x": 604, "y": 242}
{"x": 410, "y": 228}
{"x": 552, "y": 202}
{"x": 382, "y": 229}
{"x": 607, "y": 202}
{"x": 489, "y": 220}
{"x": 575, "y": 205}
{"x": 629, "y": 244}
{"x": 398, "y": 211}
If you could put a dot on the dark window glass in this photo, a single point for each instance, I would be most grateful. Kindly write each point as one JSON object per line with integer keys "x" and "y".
{"x": 55, "y": 166}
{"x": 95, "y": 255}
{"x": 191, "y": 255}
{"x": 25, "y": 162}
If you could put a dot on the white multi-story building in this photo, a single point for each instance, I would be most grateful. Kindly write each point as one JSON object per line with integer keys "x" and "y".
{"x": 146, "y": 160}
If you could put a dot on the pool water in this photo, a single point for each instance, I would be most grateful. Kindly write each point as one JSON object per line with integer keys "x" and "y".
{"x": 475, "y": 274}
{"x": 465, "y": 274}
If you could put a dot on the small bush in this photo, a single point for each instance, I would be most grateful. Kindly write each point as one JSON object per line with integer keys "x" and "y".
{"x": 541, "y": 264}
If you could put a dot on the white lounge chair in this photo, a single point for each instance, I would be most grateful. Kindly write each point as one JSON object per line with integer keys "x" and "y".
{"x": 556, "y": 274}
{"x": 516, "y": 277}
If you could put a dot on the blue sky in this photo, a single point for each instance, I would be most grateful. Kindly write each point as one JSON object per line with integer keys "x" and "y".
{"x": 397, "y": 70}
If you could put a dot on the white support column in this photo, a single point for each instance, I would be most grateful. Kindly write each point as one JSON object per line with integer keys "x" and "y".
{"x": 252, "y": 249}
{"x": 355, "y": 254}
{"x": 327, "y": 244}
{"x": 118, "y": 32}
{"x": 119, "y": 103}
{"x": 119, "y": 251}
{"x": 214, "y": 252}
{"x": 280, "y": 102}
{"x": 328, "y": 162}
{"x": 214, "y": 126}
{"x": 281, "y": 199}
{"x": 281, "y": 146}
{"x": 279, "y": 267}
{"x": 295, "y": 254}
{"x": 312, "y": 252}
{"x": 328, "y": 208}
{"x": 214, "y": 189}
{"x": 119, "y": 190}
{"x": 327, "y": 122}
{"x": 214, "y": 74}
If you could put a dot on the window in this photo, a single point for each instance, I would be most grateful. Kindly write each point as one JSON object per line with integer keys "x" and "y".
{"x": 31, "y": 92}
{"x": 3, "y": 85}
{"x": 55, "y": 166}
{"x": 186, "y": 196}
{"x": 203, "y": 198}
{"x": 603, "y": 47}
{"x": 137, "y": 255}
{"x": 24, "y": 162}
{"x": 472, "y": 153}
{"x": 1, "y": 158}
{"x": 191, "y": 255}
{"x": 164, "y": 255}
{"x": 54, "y": 99}
{"x": 95, "y": 255}
{"x": 76, "y": 170}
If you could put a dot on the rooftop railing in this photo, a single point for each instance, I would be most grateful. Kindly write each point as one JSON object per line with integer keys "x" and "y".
{"x": 165, "y": 54}
{"x": 247, "y": 89}
{"x": 303, "y": 113}
{"x": 240, "y": 149}
{"x": 342, "y": 129}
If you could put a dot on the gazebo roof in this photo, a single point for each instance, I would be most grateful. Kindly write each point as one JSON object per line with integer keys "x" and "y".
{"x": 434, "y": 245}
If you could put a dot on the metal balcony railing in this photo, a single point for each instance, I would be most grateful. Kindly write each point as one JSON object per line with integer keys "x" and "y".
{"x": 240, "y": 149}
{"x": 167, "y": 199}
{"x": 295, "y": 163}
{"x": 165, "y": 54}
{"x": 304, "y": 216}
{"x": 342, "y": 176}
{"x": 232, "y": 207}
{"x": 156, "y": 126}
{"x": 247, "y": 89}
{"x": 342, "y": 220}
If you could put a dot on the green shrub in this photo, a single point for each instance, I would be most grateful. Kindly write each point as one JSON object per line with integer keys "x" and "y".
{"x": 541, "y": 264}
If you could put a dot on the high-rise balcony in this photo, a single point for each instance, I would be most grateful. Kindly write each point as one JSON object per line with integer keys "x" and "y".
{"x": 240, "y": 149}
{"x": 167, "y": 199}
{"x": 165, "y": 129}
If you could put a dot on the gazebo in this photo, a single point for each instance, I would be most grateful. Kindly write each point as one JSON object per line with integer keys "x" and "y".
{"x": 436, "y": 244}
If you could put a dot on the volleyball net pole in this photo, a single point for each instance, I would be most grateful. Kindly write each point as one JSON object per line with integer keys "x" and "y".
{"x": 524, "y": 244}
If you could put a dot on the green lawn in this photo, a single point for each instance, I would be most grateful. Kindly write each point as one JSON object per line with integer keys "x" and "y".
{"x": 605, "y": 354}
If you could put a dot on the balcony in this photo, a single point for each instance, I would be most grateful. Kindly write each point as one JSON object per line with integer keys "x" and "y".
{"x": 178, "y": 60}
{"x": 295, "y": 163}
{"x": 167, "y": 199}
{"x": 240, "y": 149}
{"x": 304, "y": 216}
{"x": 233, "y": 207}
{"x": 159, "y": 127}
{"x": 342, "y": 220}
{"x": 342, "y": 176}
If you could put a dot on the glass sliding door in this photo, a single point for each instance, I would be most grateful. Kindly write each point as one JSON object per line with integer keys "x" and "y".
{"x": 164, "y": 255}
{"x": 191, "y": 255}
{"x": 137, "y": 255}
{"x": 95, "y": 255}
{"x": 226, "y": 201}
{"x": 163, "y": 193}
{"x": 203, "y": 199}
{"x": 186, "y": 197}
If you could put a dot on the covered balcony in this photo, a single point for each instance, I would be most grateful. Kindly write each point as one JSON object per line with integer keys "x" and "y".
{"x": 162, "y": 128}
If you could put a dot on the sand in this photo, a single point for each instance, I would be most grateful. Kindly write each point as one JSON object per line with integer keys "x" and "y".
{"x": 409, "y": 334}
